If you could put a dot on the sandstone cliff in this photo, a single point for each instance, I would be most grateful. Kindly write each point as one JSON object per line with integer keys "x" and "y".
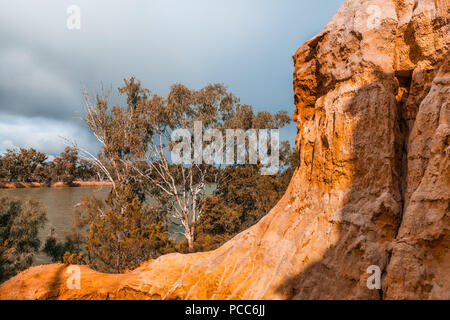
{"x": 373, "y": 187}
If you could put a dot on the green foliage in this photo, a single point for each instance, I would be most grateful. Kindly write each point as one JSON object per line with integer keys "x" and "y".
{"x": 85, "y": 170}
{"x": 20, "y": 223}
{"x": 2, "y": 169}
{"x": 115, "y": 235}
{"x": 216, "y": 225}
{"x": 240, "y": 201}
{"x": 123, "y": 234}
{"x": 56, "y": 250}
{"x": 29, "y": 165}
{"x": 65, "y": 166}
{"x": 22, "y": 164}
{"x": 136, "y": 140}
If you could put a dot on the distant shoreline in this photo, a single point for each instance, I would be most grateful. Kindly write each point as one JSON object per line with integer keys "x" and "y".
{"x": 22, "y": 185}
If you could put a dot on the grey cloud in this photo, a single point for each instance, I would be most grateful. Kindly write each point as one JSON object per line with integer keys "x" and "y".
{"x": 247, "y": 45}
{"x": 42, "y": 134}
{"x": 31, "y": 89}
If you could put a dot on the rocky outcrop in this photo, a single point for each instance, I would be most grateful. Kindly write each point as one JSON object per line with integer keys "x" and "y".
{"x": 373, "y": 186}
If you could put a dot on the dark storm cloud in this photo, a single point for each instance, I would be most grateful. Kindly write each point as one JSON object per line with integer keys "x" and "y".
{"x": 31, "y": 89}
{"x": 247, "y": 45}
{"x": 43, "y": 134}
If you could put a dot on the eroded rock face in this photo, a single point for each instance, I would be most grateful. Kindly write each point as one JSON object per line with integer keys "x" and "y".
{"x": 373, "y": 186}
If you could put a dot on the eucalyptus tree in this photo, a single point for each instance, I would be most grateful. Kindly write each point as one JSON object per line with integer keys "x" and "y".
{"x": 20, "y": 223}
{"x": 137, "y": 144}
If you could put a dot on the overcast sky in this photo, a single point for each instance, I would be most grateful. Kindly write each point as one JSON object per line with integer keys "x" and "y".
{"x": 245, "y": 44}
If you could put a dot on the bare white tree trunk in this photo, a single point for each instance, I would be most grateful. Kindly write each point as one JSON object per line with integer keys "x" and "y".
{"x": 187, "y": 194}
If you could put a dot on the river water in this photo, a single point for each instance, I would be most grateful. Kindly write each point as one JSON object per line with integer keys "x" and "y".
{"x": 59, "y": 203}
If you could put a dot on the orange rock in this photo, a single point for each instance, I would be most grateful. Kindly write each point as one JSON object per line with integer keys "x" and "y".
{"x": 373, "y": 186}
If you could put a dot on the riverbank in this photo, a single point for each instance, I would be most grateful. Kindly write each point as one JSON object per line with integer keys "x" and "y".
{"x": 20, "y": 185}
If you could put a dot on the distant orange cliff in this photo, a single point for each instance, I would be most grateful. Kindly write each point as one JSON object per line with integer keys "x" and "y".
{"x": 20, "y": 185}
